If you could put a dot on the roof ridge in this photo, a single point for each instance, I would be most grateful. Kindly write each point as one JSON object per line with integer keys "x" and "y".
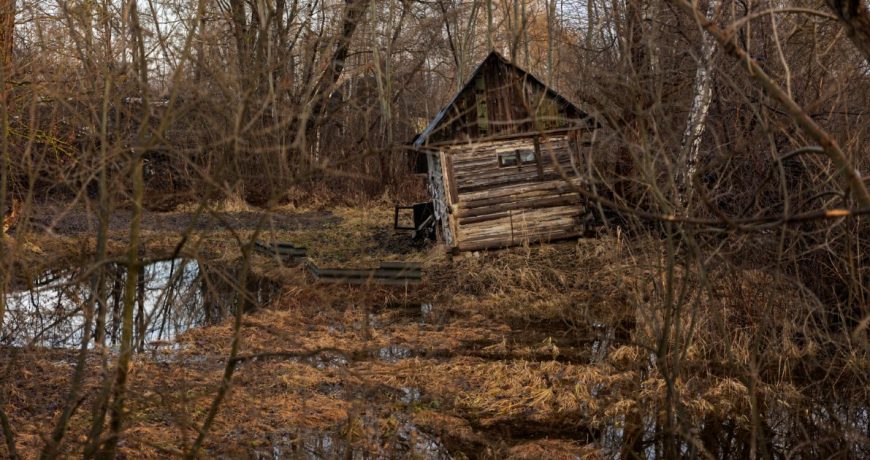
{"x": 430, "y": 128}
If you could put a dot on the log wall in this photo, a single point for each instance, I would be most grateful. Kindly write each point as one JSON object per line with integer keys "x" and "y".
{"x": 498, "y": 206}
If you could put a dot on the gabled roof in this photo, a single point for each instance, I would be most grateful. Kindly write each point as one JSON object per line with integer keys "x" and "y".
{"x": 421, "y": 139}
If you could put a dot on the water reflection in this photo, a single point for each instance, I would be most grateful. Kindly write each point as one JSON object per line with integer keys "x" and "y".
{"x": 171, "y": 297}
{"x": 825, "y": 428}
{"x": 410, "y": 395}
{"x": 393, "y": 353}
{"x": 406, "y": 441}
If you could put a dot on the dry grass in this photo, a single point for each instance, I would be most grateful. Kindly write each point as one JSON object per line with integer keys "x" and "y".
{"x": 504, "y": 364}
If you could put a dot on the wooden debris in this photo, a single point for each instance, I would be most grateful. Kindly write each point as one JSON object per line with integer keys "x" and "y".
{"x": 389, "y": 273}
{"x": 395, "y": 273}
{"x": 286, "y": 252}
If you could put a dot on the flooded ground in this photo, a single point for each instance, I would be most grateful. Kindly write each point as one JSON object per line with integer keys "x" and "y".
{"x": 171, "y": 297}
{"x": 405, "y": 440}
{"x": 523, "y": 354}
{"x": 399, "y": 378}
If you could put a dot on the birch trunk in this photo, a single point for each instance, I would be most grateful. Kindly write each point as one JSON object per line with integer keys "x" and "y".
{"x": 854, "y": 183}
{"x": 703, "y": 92}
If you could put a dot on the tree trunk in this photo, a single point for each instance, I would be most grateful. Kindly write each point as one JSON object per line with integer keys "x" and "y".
{"x": 489, "y": 26}
{"x": 703, "y": 91}
{"x": 320, "y": 108}
{"x": 116, "y": 410}
{"x": 353, "y": 13}
{"x": 126, "y": 352}
{"x": 551, "y": 19}
{"x": 7, "y": 27}
{"x": 7, "y": 30}
{"x": 140, "y": 313}
{"x": 117, "y": 292}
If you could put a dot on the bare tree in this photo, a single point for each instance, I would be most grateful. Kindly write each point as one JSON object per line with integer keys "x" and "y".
{"x": 829, "y": 145}
{"x": 703, "y": 96}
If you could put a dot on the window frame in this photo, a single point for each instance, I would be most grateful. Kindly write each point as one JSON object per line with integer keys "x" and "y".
{"x": 516, "y": 158}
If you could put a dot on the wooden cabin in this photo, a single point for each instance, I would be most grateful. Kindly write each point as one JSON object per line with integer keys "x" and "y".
{"x": 498, "y": 160}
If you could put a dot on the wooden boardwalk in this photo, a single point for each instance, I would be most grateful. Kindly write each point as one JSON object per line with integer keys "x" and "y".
{"x": 285, "y": 251}
{"x": 389, "y": 273}
{"x": 396, "y": 273}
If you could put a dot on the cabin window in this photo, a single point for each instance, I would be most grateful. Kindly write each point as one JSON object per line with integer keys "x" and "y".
{"x": 527, "y": 157}
{"x": 507, "y": 159}
{"x": 516, "y": 158}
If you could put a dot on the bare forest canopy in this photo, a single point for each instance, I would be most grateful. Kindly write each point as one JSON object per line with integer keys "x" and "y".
{"x": 725, "y": 297}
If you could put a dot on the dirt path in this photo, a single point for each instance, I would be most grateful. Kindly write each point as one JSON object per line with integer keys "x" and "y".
{"x": 78, "y": 221}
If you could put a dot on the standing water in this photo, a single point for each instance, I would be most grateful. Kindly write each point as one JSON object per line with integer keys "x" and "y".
{"x": 172, "y": 296}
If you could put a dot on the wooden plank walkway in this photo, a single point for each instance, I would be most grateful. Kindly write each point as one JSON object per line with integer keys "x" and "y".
{"x": 284, "y": 251}
{"x": 388, "y": 273}
{"x": 395, "y": 273}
